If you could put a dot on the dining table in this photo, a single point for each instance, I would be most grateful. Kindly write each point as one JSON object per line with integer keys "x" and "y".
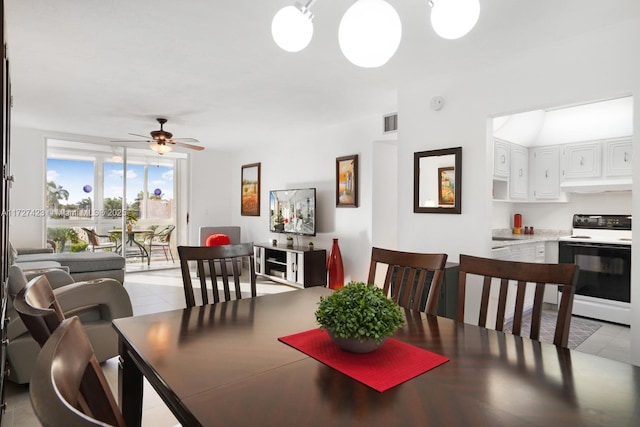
{"x": 136, "y": 249}
{"x": 224, "y": 364}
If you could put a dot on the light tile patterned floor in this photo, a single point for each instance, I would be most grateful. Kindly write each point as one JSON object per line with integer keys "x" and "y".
{"x": 153, "y": 291}
{"x": 580, "y": 329}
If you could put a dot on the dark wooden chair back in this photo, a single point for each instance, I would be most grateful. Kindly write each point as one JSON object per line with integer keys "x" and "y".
{"x": 525, "y": 274}
{"x": 68, "y": 387}
{"x": 216, "y": 257}
{"x": 409, "y": 275}
{"x": 38, "y": 308}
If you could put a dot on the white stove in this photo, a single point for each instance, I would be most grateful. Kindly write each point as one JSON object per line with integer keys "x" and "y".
{"x": 606, "y": 229}
{"x": 601, "y": 246}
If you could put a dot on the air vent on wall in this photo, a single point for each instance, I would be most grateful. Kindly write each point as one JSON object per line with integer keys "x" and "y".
{"x": 390, "y": 123}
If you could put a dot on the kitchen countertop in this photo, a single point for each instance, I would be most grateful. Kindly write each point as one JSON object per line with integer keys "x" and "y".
{"x": 542, "y": 235}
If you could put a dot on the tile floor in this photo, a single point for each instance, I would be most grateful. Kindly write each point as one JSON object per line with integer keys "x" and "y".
{"x": 161, "y": 290}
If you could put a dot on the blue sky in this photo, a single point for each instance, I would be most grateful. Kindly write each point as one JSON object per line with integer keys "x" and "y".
{"x": 74, "y": 175}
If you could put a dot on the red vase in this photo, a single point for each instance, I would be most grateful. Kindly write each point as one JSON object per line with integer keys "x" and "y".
{"x": 335, "y": 268}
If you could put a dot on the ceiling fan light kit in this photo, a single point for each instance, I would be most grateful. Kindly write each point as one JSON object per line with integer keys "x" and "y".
{"x": 161, "y": 148}
{"x": 162, "y": 141}
{"x": 370, "y": 30}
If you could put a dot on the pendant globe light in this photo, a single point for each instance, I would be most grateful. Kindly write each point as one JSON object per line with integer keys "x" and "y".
{"x": 452, "y": 19}
{"x": 292, "y": 27}
{"x": 370, "y": 33}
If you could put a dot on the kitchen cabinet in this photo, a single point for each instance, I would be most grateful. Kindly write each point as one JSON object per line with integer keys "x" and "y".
{"x": 618, "y": 157}
{"x": 518, "y": 172}
{"x": 525, "y": 252}
{"x": 510, "y": 171}
{"x": 297, "y": 266}
{"x": 545, "y": 173}
{"x": 500, "y": 159}
{"x": 581, "y": 160}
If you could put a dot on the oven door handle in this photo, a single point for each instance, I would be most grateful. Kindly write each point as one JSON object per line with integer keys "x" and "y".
{"x": 617, "y": 248}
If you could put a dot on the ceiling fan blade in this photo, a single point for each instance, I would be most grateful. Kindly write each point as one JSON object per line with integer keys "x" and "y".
{"x": 132, "y": 140}
{"x": 185, "y": 139}
{"x": 193, "y": 147}
{"x": 141, "y": 136}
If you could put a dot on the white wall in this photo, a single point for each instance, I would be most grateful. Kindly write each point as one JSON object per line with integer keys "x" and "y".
{"x": 599, "y": 65}
{"x": 559, "y": 215}
{"x": 385, "y": 195}
{"x": 28, "y": 167}
{"x": 309, "y": 160}
{"x": 211, "y": 185}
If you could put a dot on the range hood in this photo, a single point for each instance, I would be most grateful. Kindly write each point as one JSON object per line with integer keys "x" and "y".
{"x": 597, "y": 186}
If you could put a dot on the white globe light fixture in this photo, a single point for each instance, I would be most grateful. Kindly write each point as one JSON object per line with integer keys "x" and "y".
{"x": 452, "y": 19}
{"x": 370, "y": 33}
{"x": 292, "y": 27}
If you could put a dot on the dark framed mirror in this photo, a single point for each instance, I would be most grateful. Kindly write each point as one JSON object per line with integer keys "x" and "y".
{"x": 437, "y": 181}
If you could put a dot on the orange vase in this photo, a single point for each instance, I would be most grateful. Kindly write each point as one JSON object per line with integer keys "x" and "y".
{"x": 335, "y": 268}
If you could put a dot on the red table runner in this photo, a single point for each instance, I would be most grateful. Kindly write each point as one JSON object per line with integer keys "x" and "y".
{"x": 393, "y": 363}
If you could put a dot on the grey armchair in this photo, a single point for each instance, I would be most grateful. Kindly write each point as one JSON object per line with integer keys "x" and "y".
{"x": 95, "y": 302}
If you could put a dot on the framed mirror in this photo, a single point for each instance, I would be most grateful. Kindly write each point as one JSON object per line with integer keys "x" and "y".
{"x": 437, "y": 181}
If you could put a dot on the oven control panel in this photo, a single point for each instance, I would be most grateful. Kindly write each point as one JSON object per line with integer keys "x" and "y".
{"x": 607, "y": 222}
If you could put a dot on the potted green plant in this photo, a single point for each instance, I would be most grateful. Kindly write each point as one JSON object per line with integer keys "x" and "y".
{"x": 289, "y": 241}
{"x": 359, "y": 317}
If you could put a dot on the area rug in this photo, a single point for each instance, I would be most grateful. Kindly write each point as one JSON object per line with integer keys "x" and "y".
{"x": 580, "y": 330}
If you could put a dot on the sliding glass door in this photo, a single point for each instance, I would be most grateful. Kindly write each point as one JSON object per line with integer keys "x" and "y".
{"x": 106, "y": 188}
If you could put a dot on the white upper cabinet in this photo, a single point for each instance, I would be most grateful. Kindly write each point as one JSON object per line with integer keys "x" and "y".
{"x": 500, "y": 159}
{"x": 545, "y": 173}
{"x": 618, "y": 157}
{"x": 580, "y": 161}
{"x": 518, "y": 172}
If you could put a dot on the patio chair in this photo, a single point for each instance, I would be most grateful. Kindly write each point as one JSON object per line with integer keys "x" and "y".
{"x": 160, "y": 239}
{"x": 100, "y": 241}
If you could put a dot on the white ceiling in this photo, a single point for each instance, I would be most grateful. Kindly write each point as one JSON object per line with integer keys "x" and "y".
{"x": 110, "y": 67}
{"x": 611, "y": 118}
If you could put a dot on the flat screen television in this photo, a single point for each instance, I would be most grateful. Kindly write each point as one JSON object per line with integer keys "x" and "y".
{"x": 293, "y": 211}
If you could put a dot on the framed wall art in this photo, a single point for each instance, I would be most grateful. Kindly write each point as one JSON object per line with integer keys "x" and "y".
{"x": 250, "y": 196}
{"x": 437, "y": 181}
{"x": 347, "y": 181}
{"x": 446, "y": 186}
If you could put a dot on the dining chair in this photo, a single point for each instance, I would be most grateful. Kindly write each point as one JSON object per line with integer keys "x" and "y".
{"x": 160, "y": 239}
{"x": 38, "y": 308}
{"x": 525, "y": 274}
{"x": 414, "y": 279}
{"x": 68, "y": 387}
{"x": 99, "y": 241}
{"x": 219, "y": 256}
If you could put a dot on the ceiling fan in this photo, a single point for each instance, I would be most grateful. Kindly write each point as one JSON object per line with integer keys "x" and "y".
{"x": 162, "y": 141}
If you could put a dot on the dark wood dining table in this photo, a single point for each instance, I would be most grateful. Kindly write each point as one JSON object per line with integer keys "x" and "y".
{"x": 223, "y": 365}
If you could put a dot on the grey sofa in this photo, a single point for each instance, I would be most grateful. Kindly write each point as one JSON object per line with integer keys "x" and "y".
{"x": 80, "y": 265}
{"x": 96, "y": 302}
